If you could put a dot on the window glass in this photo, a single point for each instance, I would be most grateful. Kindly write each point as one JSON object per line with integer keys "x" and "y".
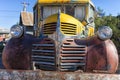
{"x": 80, "y": 12}
{"x": 70, "y": 10}
{"x": 47, "y": 11}
{"x": 77, "y": 11}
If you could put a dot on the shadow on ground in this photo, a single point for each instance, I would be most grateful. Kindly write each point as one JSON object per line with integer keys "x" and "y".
{"x": 1, "y": 65}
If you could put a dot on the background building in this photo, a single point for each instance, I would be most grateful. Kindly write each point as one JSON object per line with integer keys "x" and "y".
{"x": 26, "y": 20}
{"x": 4, "y": 33}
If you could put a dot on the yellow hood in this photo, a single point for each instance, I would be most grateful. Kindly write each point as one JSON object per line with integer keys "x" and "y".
{"x": 66, "y": 22}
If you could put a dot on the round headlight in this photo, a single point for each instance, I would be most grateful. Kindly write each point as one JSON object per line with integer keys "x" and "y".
{"x": 16, "y": 31}
{"x": 104, "y": 32}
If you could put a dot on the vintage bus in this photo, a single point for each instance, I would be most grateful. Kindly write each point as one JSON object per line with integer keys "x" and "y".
{"x": 64, "y": 40}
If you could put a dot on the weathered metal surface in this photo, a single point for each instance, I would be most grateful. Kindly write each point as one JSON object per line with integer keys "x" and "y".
{"x": 26, "y": 18}
{"x": 44, "y": 55}
{"x": 72, "y": 56}
{"x": 51, "y": 75}
{"x": 17, "y": 53}
{"x": 102, "y": 55}
{"x": 94, "y": 55}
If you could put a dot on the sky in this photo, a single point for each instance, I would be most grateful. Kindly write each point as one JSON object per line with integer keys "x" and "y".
{"x": 10, "y": 9}
{"x": 109, "y": 6}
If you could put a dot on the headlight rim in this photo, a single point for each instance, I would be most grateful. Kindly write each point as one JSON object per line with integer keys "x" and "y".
{"x": 13, "y": 34}
{"x": 106, "y": 36}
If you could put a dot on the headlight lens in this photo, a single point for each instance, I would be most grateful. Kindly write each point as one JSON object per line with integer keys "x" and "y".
{"x": 104, "y": 33}
{"x": 16, "y": 31}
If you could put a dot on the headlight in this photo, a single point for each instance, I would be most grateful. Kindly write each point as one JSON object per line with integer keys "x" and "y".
{"x": 104, "y": 32}
{"x": 16, "y": 31}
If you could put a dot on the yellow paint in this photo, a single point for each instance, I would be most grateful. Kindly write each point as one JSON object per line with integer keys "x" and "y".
{"x": 90, "y": 31}
{"x": 66, "y": 19}
{"x": 69, "y": 19}
{"x": 47, "y": 2}
{"x": 84, "y": 22}
{"x": 63, "y": 1}
{"x": 51, "y": 19}
{"x": 87, "y": 12}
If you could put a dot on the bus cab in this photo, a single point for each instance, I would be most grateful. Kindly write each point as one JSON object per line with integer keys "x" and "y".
{"x": 64, "y": 40}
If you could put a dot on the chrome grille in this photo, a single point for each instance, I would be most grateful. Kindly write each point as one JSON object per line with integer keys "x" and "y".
{"x": 68, "y": 28}
{"x": 43, "y": 55}
{"x": 73, "y": 56}
{"x": 49, "y": 28}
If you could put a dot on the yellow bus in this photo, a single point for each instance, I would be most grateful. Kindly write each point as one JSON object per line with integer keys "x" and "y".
{"x": 64, "y": 40}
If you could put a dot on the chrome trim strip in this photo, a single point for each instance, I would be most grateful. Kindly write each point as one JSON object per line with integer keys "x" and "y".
{"x": 47, "y": 45}
{"x": 73, "y": 52}
{"x": 71, "y": 58}
{"x": 45, "y": 63}
{"x": 70, "y": 46}
{"x": 75, "y": 64}
{"x": 46, "y": 57}
{"x": 48, "y": 51}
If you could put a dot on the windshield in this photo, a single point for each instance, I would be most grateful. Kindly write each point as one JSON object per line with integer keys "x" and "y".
{"x": 80, "y": 12}
{"x": 77, "y": 11}
{"x": 48, "y": 10}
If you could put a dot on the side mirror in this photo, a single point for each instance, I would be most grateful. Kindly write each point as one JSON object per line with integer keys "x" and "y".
{"x": 89, "y": 21}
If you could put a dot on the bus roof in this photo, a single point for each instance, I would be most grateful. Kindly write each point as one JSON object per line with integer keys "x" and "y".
{"x": 64, "y": 2}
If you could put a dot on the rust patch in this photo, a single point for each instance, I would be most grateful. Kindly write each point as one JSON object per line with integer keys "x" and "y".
{"x": 17, "y": 53}
{"x": 53, "y": 75}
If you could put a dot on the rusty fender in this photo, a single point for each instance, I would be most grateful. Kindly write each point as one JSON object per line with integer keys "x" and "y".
{"x": 17, "y": 52}
{"x": 102, "y": 56}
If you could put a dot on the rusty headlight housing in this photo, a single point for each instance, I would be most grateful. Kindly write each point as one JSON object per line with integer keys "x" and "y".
{"x": 104, "y": 32}
{"x": 16, "y": 31}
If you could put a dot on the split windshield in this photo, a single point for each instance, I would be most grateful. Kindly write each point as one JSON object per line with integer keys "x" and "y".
{"x": 77, "y": 11}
